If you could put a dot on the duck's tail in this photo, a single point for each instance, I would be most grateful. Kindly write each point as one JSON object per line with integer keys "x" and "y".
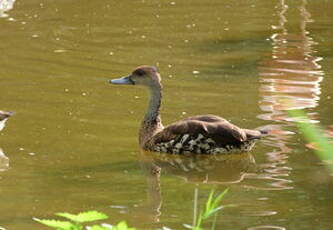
{"x": 252, "y": 134}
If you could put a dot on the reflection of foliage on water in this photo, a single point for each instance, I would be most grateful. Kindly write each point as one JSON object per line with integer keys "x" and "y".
{"x": 290, "y": 79}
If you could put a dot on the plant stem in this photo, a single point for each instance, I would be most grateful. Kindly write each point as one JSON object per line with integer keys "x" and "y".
{"x": 195, "y": 207}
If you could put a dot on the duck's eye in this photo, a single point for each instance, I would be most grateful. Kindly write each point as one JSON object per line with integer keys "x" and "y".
{"x": 139, "y": 72}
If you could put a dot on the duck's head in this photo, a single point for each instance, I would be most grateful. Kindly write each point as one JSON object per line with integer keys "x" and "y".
{"x": 142, "y": 75}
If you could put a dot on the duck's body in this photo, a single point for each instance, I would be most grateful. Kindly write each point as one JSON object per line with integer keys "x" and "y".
{"x": 4, "y": 115}
{"x": 203, "y": 134}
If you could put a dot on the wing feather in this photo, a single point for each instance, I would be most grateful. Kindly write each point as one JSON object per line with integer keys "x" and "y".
{"x": 210, "y": 126}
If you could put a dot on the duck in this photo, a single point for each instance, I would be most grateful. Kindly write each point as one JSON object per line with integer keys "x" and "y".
{"x": 200, "y": 134}
{"x": 4, "y": 115}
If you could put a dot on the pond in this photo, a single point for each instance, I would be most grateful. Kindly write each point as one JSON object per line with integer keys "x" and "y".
{"x": 73, "y": 142}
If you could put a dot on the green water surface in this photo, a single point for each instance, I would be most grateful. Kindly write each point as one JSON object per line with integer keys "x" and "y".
{"x": 72, "y": 145}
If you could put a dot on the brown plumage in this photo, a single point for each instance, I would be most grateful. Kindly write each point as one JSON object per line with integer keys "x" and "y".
{"x": 210, "y": 126}
{"x": 203, "y": 134}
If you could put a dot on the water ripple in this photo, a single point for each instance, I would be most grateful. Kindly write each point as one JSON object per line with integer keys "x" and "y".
{"x": 266, "y": 227}
{"x": 290, "y": 78}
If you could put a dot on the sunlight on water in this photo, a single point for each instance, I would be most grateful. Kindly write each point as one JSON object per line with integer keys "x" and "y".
{"x": 291, "y": 78}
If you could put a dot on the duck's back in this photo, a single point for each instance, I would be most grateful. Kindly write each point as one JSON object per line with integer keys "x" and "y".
{"x": 204, "y": 134}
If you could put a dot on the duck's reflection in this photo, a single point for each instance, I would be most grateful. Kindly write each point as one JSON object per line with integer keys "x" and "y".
{"x": 198, "y": 169}
{"x": 215, "y": 169}
{"x": 290, "y": 79}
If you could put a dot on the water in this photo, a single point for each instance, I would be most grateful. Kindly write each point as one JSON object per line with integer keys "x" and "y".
{"x": 72, "y": 145}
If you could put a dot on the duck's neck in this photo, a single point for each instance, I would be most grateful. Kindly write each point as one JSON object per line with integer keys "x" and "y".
{"x": 153, "y": 112}
{"x": 152, "y": 121}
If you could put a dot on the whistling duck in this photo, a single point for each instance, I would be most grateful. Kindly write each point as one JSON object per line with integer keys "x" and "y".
{"x": 4, "y": 115}
{"x": 203, "y": 134}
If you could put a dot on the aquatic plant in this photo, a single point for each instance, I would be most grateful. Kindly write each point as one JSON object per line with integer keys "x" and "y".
{"x": 76, "y": 222}
{"x": 211, "y": 209}
{"x": 313, "y": 133}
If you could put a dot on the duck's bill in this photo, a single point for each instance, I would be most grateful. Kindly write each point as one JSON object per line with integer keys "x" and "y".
{"x": 122, "y": 81}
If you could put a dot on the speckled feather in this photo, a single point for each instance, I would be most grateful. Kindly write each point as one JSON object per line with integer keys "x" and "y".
{"x": 204, "y": 134}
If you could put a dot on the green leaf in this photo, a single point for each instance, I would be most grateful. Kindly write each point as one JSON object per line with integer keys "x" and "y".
{"x": 209, "y": 201}
{"x": 219, "y": 198}
{"x": 98, "y": 227}
{"x": 214, "y": 222}
{"x": 122, "y": 226}
{"x": 60, "y": 225}
{"x": 211, "y": 212}
{"x": 84, "y": 216}
{"x": 212, "y": 204}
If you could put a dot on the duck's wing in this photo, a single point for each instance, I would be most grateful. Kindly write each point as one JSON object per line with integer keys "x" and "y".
{"x": 207, "y": 118}
{"x": 216, "y": 128}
